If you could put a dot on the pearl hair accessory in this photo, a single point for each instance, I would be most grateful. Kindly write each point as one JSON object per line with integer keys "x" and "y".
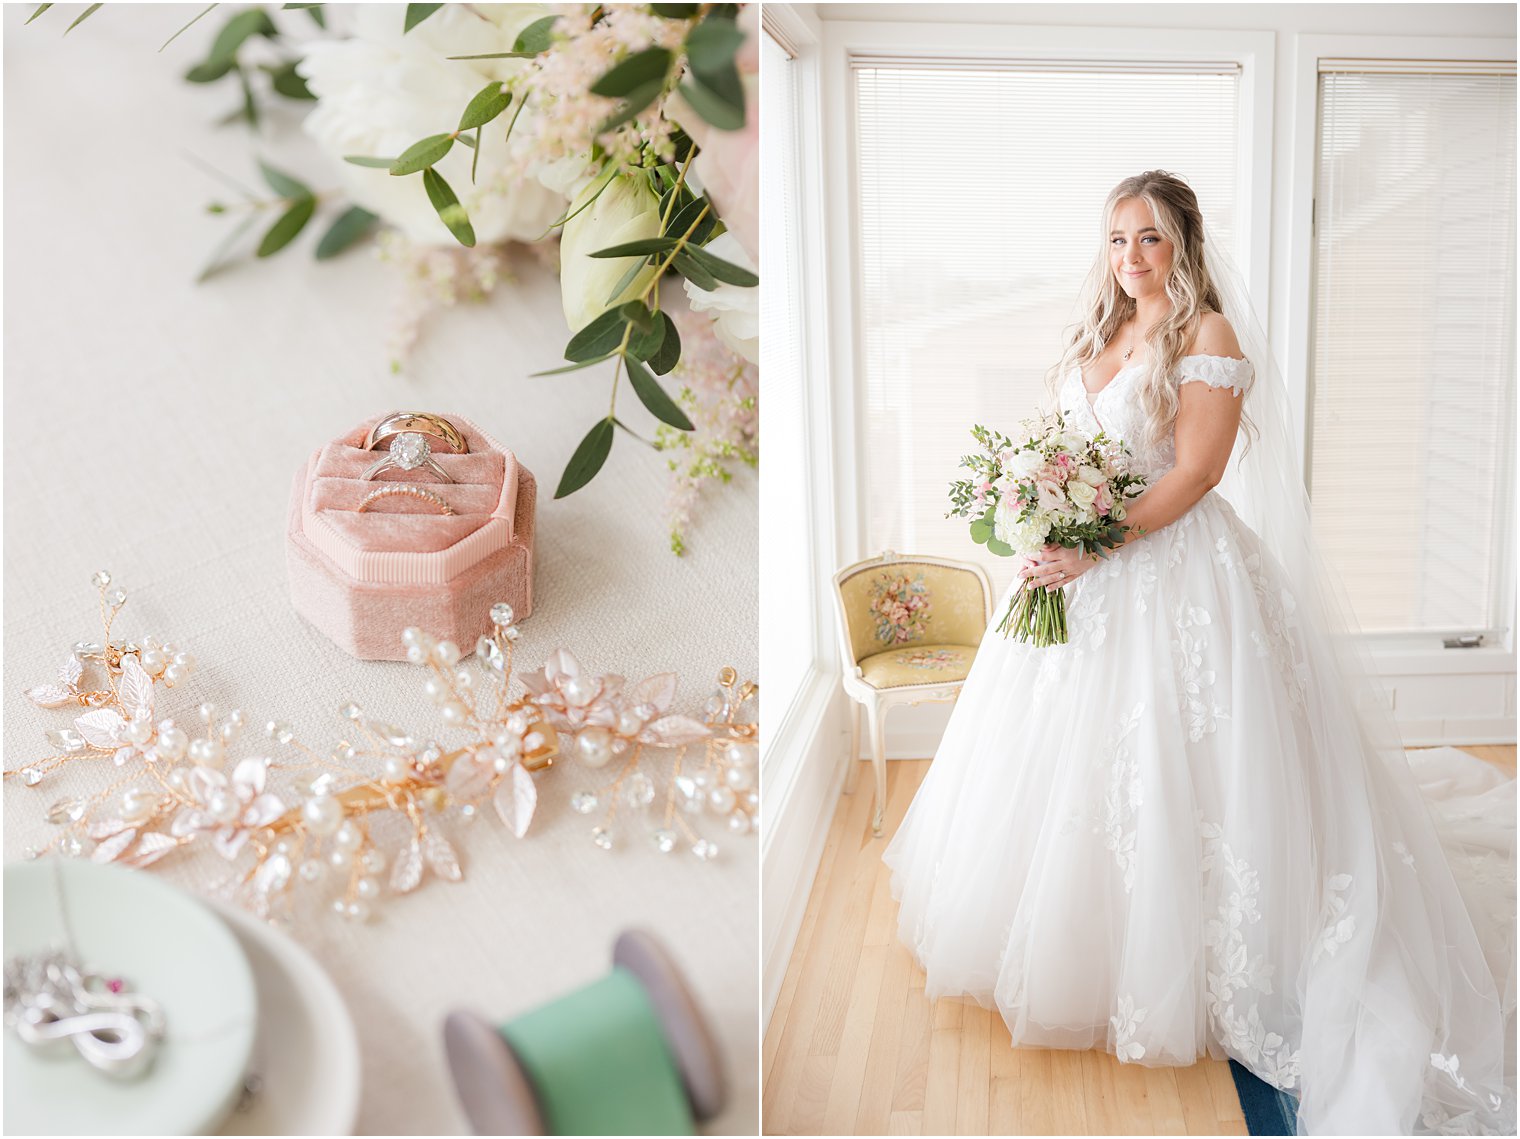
{"x": 380, "y": 800}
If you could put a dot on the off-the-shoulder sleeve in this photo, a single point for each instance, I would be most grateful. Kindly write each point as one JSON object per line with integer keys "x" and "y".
{"x": 1217, "y": 372}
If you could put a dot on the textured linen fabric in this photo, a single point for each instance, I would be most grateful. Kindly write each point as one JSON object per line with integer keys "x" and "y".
{"x": 153, "y": 427}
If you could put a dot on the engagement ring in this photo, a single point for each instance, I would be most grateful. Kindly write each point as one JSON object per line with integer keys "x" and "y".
{"x": 409, "y": 451}
{"x": 417, "y": 422}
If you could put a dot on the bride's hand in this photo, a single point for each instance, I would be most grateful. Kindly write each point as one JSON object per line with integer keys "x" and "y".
{"x": 1056, "y": 566}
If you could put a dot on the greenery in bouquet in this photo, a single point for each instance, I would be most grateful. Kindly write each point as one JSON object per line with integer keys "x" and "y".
{"x": 617, "y": 141}
{"x": 1056, "y": 486}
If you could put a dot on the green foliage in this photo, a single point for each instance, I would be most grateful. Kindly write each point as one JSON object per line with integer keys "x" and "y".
{"x": 446, "y": 202}
{"x": 352, "y": 225}
{"x": 287, "y": 226}
{"x": 588, "y": 458}
{"x": 488, "y": 102}
{"x": 422, "y": 154}
{"x": 416, "y": 13}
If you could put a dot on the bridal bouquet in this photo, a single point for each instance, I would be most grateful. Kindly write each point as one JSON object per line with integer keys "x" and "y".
{"x": 1056, "y": 487}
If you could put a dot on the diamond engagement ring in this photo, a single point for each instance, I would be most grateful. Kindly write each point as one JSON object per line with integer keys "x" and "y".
{"x": 409, "y": 451}
{"x": 405, "y": 490}
{"x": 421, "y": 422}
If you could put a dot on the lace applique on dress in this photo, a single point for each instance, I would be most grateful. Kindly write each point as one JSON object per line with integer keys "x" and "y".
{"x": 1217, "y": 372}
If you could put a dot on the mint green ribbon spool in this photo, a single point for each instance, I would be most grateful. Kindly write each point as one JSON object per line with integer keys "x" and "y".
{"x": 630, "y": 1054}
{"x": 599, "y": 1062}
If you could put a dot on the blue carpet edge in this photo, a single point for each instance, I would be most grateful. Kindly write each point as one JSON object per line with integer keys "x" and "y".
{"x": 1268, "y": 1111}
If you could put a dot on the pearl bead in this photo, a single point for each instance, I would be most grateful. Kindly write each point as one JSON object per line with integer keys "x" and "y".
{"x": 410, "y": 636}
{"x": 358, "y": 910}
{"x": 368, "y": 888}
{"x": 169, "y": 648}
{"x": 154, "y": 661}
{"x": 172, "y": 743}
{"x": 372, "y": 861}
{"x": 703, "y": 780}
{"x": 742, "y": 754}
{"x": 434, "y": 688}
{"x": 285, "y": 847}
{"x": 229, "y": 733}
{"x": 348, "y": 837}
{"x": 340, "y": 907}
{"x": 208, "y": 752}
{"x": 446, "y": 653}
{"x": 174, "y": 674}
{"x": 322, "y": 815}
{"x": 396, "y": 770}
{"x": 138, "y": 731}
{"x": 340, "y": 859}
{"x": 594, "y": 746}
{"x": 722, "y": 800}
{"x": 740, "y": 778}
{"x": 176, "y": 780}
{"x": 752, "y": 801}
{"x": 312, "y": 870}
{"x": 223, "y": 806}
{"x": 137, "y": 805}
{"x": 738, "y": 822}
{"x": 578, "y": 691}
{"x": 464, "y": 679}
{"x": 207, "y": 712}
{"x": 237, "y": 717}
{"x": 455, "y": 713}
{"x": 184, "y": 660}
{"x": 630, "y": 723}
{"x": 417, "y": 654}
{"x": 502, "y": 764}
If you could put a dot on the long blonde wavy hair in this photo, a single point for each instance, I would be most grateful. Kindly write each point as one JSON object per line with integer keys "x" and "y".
{"x": 1105, "y": 307}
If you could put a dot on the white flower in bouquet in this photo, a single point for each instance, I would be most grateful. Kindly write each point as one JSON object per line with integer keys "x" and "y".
{"x": 1022, "y": 465}
{"x": 1081, "y": 493}
{"x": 625, "y": 210}
{"x": 735, "y": 310}
{"x": 382, "y": 89}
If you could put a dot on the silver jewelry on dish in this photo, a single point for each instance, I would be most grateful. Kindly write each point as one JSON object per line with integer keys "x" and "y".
{"x": 52, "y": 1003}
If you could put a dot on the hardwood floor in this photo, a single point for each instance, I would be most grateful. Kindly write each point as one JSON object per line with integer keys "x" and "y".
{"x": 855, "y": 1048}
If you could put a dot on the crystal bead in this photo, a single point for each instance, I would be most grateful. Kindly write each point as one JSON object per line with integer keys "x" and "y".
{"x": 65, "y": 739}
{"x": 87, "y": 648}
{"x": 602, "y": 837}
{"x": 517, "y": 722}
{"x": 511, "y": 633}
{"x": 639, "y": 790}
{"x": 31, "y": 776}
{"x": 490, "y": 653}
{"x": 100, "y": 579}
{"x": 66, "y": 811}
{"x": 32, "y": 853}
{"x": 279, "y": 731}
{"x": 714, "y": 705}
{"x": 116, "y": 598}
{"x": 705, "y": 850}
{"x": 350, "y": 711}
{"x": 391, "y": 734}
{"x": 468, "y": 813}
{"x": 322, "y": 784}
{"x": 583, "y": 802}
{"x": 664, "y": 840}
{"x": 693, "y": 796}
{"x": 70, "y": 847}
{"x": 501, "y": 614}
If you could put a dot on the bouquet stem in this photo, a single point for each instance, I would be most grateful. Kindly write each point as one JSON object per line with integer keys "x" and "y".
{"x": 1037, "y": 614}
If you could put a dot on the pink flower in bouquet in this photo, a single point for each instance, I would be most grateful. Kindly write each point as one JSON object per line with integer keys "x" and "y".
{"x": 1063, "y": 461}
{"x": 1105, "y": 500}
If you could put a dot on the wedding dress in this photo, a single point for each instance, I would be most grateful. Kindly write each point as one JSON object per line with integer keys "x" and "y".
{"x": 1165, "y": 839}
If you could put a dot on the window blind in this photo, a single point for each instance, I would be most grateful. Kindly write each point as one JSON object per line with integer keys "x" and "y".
{"x": 786, "y": 654}
{"x": 1412, "y": 350}
{"x": 981, "y": 186}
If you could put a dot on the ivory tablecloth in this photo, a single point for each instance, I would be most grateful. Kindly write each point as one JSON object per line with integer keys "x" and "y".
{"x": 152, "y": 427}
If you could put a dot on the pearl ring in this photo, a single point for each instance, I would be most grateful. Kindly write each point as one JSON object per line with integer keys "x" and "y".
{"x": 423, "y": 422}
{"x": 406, "y": 490}
{"x": 409, "y": 452}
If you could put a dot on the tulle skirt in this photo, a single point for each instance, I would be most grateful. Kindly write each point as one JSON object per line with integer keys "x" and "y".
{"x": 1160, "y": 840}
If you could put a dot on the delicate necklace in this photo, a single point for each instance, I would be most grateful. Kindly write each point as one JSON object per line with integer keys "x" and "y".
{"x": 1124, "y": 359}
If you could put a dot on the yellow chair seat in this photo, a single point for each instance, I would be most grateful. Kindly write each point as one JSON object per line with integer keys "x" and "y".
{"x": 917, "y": 664}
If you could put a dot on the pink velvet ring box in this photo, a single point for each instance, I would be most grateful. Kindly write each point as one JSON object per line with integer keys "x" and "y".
{"x": 361, "y": 578}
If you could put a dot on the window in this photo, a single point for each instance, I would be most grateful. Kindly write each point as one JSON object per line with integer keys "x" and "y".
{"x": 1412, "y": 348}
{"x": 787, "y": 646}
{"x": 981, "y": 188}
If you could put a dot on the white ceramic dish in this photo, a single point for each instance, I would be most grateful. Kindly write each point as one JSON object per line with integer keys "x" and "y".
{"x": 306, "y": 1057}
{"x": 166, "y": 945}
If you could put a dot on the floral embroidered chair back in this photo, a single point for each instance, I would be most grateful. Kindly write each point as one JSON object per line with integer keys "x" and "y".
{"x": 897, "y": 603}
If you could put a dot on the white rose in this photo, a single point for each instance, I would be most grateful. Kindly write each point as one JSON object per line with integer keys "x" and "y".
{"x": 1022, "y": 464}
{"x": 1073, "y": 441}
{"x": 735, "y": 310}
{"x": 380, "y": 91}
{"x": 1091, "y": 476}
{"x": 1080, "y": 493}
{"x": 627, "y": 210}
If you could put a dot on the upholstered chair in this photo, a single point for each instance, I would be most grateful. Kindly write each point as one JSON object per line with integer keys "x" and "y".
{"x": 910, "y": 627}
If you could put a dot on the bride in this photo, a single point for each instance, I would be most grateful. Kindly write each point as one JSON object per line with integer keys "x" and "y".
{"x": 1192, "y": 829}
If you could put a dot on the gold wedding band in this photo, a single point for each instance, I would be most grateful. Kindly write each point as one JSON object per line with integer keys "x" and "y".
{"x": 421, "y": 422}
{"x": 406, "y": 490}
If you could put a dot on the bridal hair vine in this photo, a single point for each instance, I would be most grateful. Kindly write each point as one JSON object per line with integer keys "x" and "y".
{"x": 333, "y": 816}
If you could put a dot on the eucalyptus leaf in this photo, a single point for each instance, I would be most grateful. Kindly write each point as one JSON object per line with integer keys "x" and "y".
{"x": 693, "y": 271}
{"x": 287, "y": 226}
{"x": 645, "y": 342}
{"x": 467, "y": 140}
{"x": 641, "y": 248}
{"x": 536, "y": 37}
{"x": 365, "y": 160}
{"x": 497, "y": 55}
{"x": 218, "y": 259}
{"x": 725, "y": 271}
{"x": 252, "y": 22}
{"x": 488, "y": 102}
{"x": 634, "y": 313}
{"x": 352, "y": 225}
{"x": 980, "y": 532}
{"x": 1001, "y": 549}
{"x": 587, "y": 460}
{"x": 634, "y": 105}
{"x": 715, "y": 110}
{"x": 601, "y": 337}
{"x": 288, "y": 81}
{"x": 626, "y": 279}
{"x": 446, "y": 202}
{"x": 576, "y": 367}
{"x": 686, "y": 218}
{"x": 182, "y": 31}
{"x": 655, "y": 398}
{"x": 669, "y": 353}
{"x": 282, "y": 183}
{"x": 651, "y": 65}
{"x": 250, "y": 109}
{"x": 416, "y": 13}
{"x": 712, "y": 44}
{"x": 424, "y": 153}
{"x": 41, "y": 8}
{"x": 675, "y": 11}
{"x": 209, "y": 71}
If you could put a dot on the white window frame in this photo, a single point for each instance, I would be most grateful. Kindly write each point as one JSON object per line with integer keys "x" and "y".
{"x": 1412, "y": 659}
